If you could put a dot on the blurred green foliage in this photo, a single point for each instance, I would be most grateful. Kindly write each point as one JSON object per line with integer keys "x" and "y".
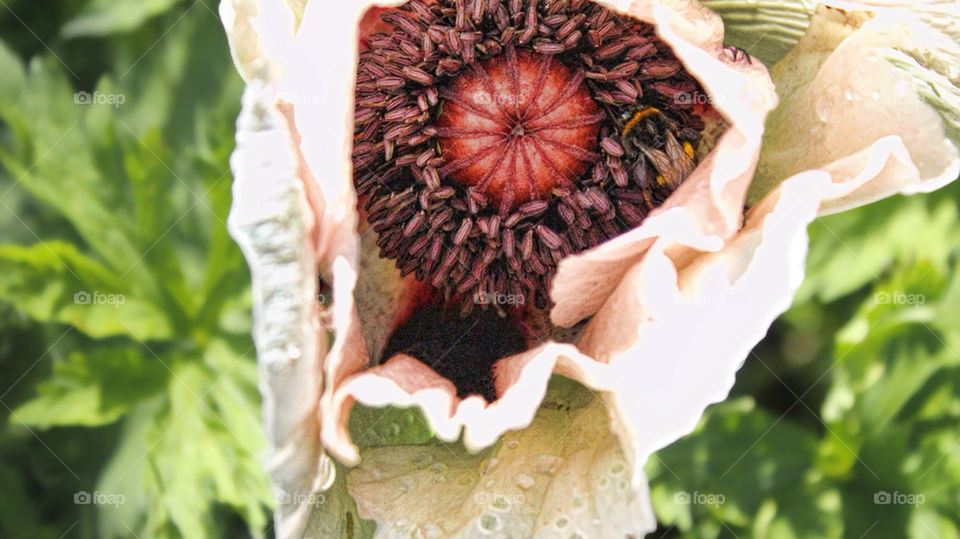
{"x": 129, "y": 377}
{"x": 146, "y": 386}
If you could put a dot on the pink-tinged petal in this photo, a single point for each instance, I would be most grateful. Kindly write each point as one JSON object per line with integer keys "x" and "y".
{"x": 708, "y": 206}
{"x": 563, "y": 474}
{"x": 841, "y": 94}
{"x": 704, "y": 319}
{"x": 273, "y": 223}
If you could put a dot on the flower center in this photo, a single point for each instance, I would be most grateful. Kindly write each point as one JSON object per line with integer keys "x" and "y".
{"x": 518, "y": 126}
{"x": 461, "y": 349}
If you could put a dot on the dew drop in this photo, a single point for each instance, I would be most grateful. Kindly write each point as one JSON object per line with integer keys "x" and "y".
{"x": 524, "y": 481}
{"x": 394, "y": 429}
{"x": 546, "y": 464}
{"x": 490, "y": 523}
{"x": 561, "y": 523}
{"x": 512, "y": 444}
{"x": 577, "y": 502}
{"x": 623, "y": 485}
{"x": 617, "y": 468}
{"x": 432, "y": 531}
{"x": 578, "y": 535}
{"x": 489, "y": 483}
{"x": 823, "y": 105}
{"x": 407, "y": 484}
{"x": 465, "y": 480}
{"x": 438, "y": 468}
{"x": 850, "y": 94}
{"x": 603, "y": 482}
{"x": 488, "y": 465}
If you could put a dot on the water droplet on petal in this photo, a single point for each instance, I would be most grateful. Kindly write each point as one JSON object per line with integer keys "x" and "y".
{"x": 488, "y": 465}
{"x": 490, "y": 523}
{"x": 438, "y": 467}
{"x": 561, "y": 523}
{"x": 617, "y": 468}
{"x": 823, "y": 105}
{"x": 546, "y": 464}
{"x": 524, "y": 481}
{"x": 432, "y": 531}
{"x": 512, "y": 444}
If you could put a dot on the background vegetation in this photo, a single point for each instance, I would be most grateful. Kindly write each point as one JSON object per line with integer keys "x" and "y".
{"x": 855, "y": 393}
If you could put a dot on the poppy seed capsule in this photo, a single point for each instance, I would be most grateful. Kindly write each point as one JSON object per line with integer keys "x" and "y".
{"x": 517, "y": 126}
{"x": 492, "y": 139}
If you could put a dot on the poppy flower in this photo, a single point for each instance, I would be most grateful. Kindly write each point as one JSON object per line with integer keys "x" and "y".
{"x": 486, "y": 194}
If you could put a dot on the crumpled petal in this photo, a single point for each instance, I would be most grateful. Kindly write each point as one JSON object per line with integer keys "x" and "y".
{"x": 564, "y": 475}
{"x": 271, "y": 222}
{"x": 840, "y": 94}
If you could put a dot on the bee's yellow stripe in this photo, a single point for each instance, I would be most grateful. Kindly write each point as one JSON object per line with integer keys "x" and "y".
{"x": 639, "y": 116}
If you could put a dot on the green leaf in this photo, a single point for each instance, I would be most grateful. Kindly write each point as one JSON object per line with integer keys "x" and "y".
{"x": 104, "y": 17}
{"x": 187, "y": 451}
{"x": 850, "y": 249}
{"x": 747, "y": 469}
{"x": 53, "y": 282}
{"x": 95, "y": 386}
